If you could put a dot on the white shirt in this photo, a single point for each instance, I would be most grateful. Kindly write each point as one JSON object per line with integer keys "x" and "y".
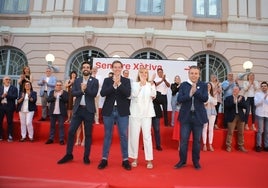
{"x": 25, "y": 103}
{"x": 261, "y": 104}
{"x": 250, "y": 91}
{"x": 47, "y": 80}
{"x": 57, "y": 104}
{"x": 83, "y": 101}
{"x": 162, "y": 88}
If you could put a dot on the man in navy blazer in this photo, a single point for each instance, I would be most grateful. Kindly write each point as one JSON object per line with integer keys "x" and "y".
{"x": 8, "y": 96}
{"x": 116, "y": 91}
{"x": 84, "y": 90}
{"x": 57, "y": 100}
{"x": 235, "y": 117}
{"x": 192, "y": 96}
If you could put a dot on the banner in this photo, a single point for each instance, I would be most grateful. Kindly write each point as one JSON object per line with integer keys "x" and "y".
{"x": 171, "y": 68}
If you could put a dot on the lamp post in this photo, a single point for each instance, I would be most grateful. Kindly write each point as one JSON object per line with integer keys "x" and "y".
{"x": 247, "y": 65}
{"x": 50, "y": 58}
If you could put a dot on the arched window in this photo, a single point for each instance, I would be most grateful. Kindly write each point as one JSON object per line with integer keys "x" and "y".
{"x": 82, "y": 55}
{"x": 12, "y": 61}
{"x": 211, "y": 63}
{"x": 148, "y": 54}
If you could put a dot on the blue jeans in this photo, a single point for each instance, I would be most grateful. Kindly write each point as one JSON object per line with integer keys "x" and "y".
{"x": 174, "y": 108}
{"x": 80, "y": 115}
{"x": 122, "y": 125}
{"x": 156, "y": 128}
{"x": 250, "y": 106}
{"x": 53, "y": 119}
{"x": 262, "y": 127}
{"x": 192, "y": 125}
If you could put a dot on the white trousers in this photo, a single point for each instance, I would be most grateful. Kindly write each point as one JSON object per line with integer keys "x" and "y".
{"x": 135, "y": 126}
{"x": 209, "y": 129}
{"x": 26, "y": 124}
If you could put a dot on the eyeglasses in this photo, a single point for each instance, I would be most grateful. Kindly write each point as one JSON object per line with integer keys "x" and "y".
{"x": 8, "y": 79}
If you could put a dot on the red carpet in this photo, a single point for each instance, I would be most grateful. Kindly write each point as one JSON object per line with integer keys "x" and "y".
{"x": 34, "y": 165}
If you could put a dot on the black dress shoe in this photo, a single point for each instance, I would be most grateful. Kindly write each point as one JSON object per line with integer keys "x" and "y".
{"x": 126, "y": 165}
{"x": 103, "y": 164}
{"x": 180, "y": 165}
{"x": 66, "y": 158}
{"x": 42, "y": 119}
{"x": 49, "y": 141}
{"x": 86, "y": 160}
{"x": 265, "y": 149}
{"x": 197, "y": 166}
{"x": 61, "y": 142}
{"x": 258, "y": 148}
{"x": 159, "y": 148}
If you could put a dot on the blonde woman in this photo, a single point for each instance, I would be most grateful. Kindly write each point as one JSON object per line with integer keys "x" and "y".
{"x": 208, "y": 128}
{"x": 217, "y": 91}
{"x": 251, "y": 86}
{"x": 142, "y": 110}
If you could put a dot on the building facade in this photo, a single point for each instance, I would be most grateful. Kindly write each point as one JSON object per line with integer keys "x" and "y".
{"x": 219, "y": 34}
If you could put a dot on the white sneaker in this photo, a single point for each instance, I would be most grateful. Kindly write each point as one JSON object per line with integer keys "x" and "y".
{"x": 10, "y": 139}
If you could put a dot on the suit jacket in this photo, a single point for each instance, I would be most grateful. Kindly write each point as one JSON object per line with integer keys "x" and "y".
{"x": 90, "y": 93}
{"x": 141, "y": 104}
{"x": 229, "y": 112}
{"x": 200, "y": 97}
{"x": 11, "y": 97}
{"x": 31, "y": 104}
{"x": 50, "y": 85}
{"x": 119, "y": 94}
{"x": 62, "y": 102}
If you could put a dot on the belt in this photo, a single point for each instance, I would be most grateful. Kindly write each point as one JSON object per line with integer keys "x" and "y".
{"x": 82, "y": 106}
{"x": 45, "y": 91}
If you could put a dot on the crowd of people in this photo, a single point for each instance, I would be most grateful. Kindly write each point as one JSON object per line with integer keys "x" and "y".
{"x": 135, "y": 106}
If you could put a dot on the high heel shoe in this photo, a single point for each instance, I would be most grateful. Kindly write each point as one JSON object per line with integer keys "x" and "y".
{"x": 82, "y": 143}
{"x": 134, "y": 163}
{"x": 205, "y": 148}
{"x": 78, "y": 142}
{"x": 150, "y": 165}
{"x": 211, "y": 148}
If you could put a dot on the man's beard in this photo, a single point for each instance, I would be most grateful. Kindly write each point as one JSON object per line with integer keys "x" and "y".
{"x": 86, "y": 73}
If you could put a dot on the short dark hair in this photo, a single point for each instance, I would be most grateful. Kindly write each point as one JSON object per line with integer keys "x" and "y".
{"x": 264, "y": 82}
{"x": 73, "y": 72}
{"x": 194, "y": 67}
{"x": 117, "y": 61}
{"x": 86, "y": 62}
{"x": 158, "y": 69}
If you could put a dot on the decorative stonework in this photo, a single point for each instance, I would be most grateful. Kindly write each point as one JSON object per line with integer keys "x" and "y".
{"x": 148, "y": 36}
{"x": 89, "y": 35}
{"x": 6, "y": 36}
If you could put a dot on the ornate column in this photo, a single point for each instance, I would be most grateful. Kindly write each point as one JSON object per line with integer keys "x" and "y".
{"x": 179, "y": 19}
{"x": 121, "y": 17}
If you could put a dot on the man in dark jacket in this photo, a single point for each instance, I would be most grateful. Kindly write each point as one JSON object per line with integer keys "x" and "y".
{"x": 58, "y": 99}
{"x": 235, "y": 117}
{"x": 8, "y": 96}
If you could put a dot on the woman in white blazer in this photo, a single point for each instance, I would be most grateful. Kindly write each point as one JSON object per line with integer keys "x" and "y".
{"x": 141, "y": 112}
